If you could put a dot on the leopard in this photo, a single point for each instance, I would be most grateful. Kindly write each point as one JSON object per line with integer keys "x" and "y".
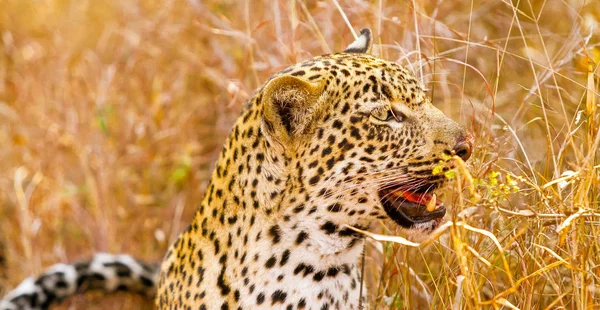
{"x": 326, "y": 146}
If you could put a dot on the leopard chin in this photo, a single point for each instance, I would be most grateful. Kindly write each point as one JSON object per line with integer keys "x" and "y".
{"x": 421, "y": 231}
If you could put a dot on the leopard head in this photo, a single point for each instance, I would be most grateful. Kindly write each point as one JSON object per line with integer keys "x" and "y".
{"x": 362, "y": 139}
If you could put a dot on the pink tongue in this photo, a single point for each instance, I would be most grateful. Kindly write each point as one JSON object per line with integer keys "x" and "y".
{"x": 419, "y": 198}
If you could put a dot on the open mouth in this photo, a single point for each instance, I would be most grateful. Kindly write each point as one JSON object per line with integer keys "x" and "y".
{"x": 408, "y": 208}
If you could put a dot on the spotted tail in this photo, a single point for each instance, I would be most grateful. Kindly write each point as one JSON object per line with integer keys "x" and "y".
{"x": 105, "y": 272}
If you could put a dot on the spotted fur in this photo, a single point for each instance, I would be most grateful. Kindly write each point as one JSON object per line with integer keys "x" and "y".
{"x": 309, "y": 154}
{"x": 105, "y": 272}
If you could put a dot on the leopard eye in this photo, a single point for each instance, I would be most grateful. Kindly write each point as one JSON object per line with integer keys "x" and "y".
{"x": 383, "y": 114}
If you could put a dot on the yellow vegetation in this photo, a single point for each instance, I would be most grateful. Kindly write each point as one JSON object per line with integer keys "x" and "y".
{"x": 112, "y": 113}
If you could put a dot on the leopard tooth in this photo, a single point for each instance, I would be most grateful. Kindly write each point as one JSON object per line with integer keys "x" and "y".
{"x": 431, "y": 205}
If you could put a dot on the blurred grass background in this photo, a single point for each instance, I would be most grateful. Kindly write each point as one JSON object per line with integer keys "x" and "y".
{"x": 112, "y": 113}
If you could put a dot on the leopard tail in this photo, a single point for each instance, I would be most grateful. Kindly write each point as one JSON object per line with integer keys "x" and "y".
{"x": 104, "y": 272}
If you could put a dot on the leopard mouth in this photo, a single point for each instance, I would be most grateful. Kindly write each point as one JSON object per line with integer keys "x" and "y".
{"x": 410, "y": 208}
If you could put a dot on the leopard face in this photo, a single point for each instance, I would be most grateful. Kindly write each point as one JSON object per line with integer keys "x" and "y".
{"x": 368, "y": 145}
{"x": 337, "y": 140}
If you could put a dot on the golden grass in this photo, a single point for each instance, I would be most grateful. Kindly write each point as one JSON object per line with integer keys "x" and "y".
{"x": 112, "y": 113}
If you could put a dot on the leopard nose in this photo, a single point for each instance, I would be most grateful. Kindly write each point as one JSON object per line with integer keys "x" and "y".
{"x": 463, "y": 148}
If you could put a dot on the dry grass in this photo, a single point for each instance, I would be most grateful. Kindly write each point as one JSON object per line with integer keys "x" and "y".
{"x": 112, "y": 113}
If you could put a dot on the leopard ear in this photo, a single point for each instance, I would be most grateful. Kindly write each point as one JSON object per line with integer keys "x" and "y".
{"x": 362, "y": 44}
{"x": 288, "y": 105}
